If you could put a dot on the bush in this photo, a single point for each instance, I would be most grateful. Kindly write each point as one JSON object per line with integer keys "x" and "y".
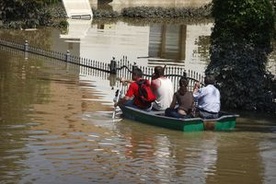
{"x": 240, "y": 44}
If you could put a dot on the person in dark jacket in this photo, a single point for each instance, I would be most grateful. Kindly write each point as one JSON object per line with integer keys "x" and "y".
{"x": 183, "y": 101}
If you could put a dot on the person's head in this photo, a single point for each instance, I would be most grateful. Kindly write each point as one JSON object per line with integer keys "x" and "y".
{"x": 136, "y": 74}
{"x": 183, "y": 83}
{"x": 209, "y": 79}
{"x": 158, "y": 72}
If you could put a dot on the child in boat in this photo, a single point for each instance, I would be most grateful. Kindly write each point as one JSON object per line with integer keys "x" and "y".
{"x": 183, "y": 101}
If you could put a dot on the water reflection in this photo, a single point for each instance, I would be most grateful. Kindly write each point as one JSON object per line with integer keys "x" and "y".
{"x": 148, "y": 45}
{"x": 183, "y": 44}
{"x": 56, "y": 127}
{"x": 173, "y": 158}
{"x": 268, "y": 149}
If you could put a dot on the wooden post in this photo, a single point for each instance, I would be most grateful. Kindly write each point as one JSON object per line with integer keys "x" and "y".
{"x": 67, "y": 56}
{"x": 26, "y": 46}
{"x": 134, "y": 66}
{"x": 113, "y": 69}
{"x": 26, "y": 49}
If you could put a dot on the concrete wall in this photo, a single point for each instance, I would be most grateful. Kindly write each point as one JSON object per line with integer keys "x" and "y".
{"x": 77, "y": 8}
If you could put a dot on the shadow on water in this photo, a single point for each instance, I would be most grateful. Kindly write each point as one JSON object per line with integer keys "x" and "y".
{"x": 256, "y": 122}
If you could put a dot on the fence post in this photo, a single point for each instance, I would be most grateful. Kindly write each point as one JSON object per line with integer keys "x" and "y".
{"x": 113, "y": 66}
{"x": 26, "y": 46}
{"x": 67, "y": 56}
{"x": 184, "y": 74}
{"x": 112, "y": 80}
{"x": 134, "y": 66}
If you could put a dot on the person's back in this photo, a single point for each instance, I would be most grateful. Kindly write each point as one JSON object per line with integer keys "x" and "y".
{"x": 133, "y": 97}
{"x": 210, "y": 99}
{"x": 185, "y": 101}
{"x": 182, "y": 103}
{"x": 207, "y": 98}
{"x": 162, "y": 88}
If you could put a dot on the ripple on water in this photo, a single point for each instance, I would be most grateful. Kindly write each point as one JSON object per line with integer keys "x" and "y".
{"x": 101, "y": 151}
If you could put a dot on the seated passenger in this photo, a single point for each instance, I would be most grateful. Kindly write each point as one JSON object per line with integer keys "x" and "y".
{"x": 162, "y": 87}
{"x": 132, "y": 97}
{"x": 207, "y": 98}
{"x": 182, "y": 103}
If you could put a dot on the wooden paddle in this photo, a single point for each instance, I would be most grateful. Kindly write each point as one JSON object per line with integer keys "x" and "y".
{"x": 116, "y": 98}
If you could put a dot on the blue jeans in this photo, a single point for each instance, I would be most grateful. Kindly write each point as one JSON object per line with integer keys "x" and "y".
{"x": 174, "y": 113}
{"x": 207, "y": 115}
{"x": 130, "y": 103}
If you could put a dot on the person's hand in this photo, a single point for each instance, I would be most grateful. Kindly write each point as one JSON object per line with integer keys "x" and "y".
{"x": 197, "y": 85}
{"x": 153, "y": 76}
{"x": 122, "y": 80}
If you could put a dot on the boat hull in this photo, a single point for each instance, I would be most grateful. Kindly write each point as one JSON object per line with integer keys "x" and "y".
{"x": 156, "y": 118}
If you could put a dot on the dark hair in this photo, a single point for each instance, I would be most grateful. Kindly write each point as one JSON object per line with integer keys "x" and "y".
{"x": 158, "y": 71}
{"x": 183, "y": 83}
{"x": 209, "y": 79}
{"x": 137, "y": 72}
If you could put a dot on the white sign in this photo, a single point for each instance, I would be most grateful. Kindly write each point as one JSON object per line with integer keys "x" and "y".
{"x": 78, "y": 8}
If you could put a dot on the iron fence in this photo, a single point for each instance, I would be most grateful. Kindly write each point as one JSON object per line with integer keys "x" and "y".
{"x": 116, "y": 68}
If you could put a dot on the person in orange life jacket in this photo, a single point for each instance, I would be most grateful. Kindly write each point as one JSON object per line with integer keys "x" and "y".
{"x": 184, "y": 101}
{"x": 207, "y": 98}
{"x": 162, "y": 87}
{"x": 131, "y": 97}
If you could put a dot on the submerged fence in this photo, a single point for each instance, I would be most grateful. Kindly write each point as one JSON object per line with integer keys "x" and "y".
{"x": 116, "y": 68}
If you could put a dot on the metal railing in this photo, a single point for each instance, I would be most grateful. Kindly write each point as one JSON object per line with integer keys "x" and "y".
{"x": 116, "y": 68}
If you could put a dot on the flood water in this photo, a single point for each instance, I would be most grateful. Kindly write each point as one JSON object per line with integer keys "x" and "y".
{"x": 56, "y": 119}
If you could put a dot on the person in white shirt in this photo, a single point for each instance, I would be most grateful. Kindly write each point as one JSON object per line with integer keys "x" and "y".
{"x": 162, "y": 88}
{"x": 207, "y": 98}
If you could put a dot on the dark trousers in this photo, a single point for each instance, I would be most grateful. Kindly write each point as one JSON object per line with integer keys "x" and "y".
{"x": 208, "y": 115}
{"x": 130, "y": 103}
{"x": 174, "y": 113}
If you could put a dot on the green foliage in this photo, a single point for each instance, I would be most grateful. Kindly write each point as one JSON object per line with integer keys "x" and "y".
{"x": 63, "y": 26}
{"x": 28, "y": 13}
{"x": 20, "y": 9}
{"x": 247, "y": 21}
{"x": 240, "y": 44}
{"x": 51, "y": 1}
{"x": 159, "y": 12}
{"x": 98, "y": 13}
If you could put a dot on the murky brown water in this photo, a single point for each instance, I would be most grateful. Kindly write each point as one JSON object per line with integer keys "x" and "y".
{"x": 56, "y": 127}
{"x": 54, "y": 130}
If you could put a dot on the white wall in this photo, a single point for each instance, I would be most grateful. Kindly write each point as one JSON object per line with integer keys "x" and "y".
{"x": 77, "y": 8}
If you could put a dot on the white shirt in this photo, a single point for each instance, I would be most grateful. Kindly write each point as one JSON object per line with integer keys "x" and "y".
{"x": 208, "y": 98}
{"x": 163, "y": 89}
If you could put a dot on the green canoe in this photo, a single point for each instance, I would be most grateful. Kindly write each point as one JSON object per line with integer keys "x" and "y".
{"x": 225, "y": 122}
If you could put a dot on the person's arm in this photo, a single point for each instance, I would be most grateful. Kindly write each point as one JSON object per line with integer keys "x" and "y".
{"x": 128, "y": 96}
{"x": 196, "y": 87}
{"x": 173, "y": 103}
{"x": 155, "y": 84}
{"x": 122, "y": 100}
{"x": 124, "y": 80}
